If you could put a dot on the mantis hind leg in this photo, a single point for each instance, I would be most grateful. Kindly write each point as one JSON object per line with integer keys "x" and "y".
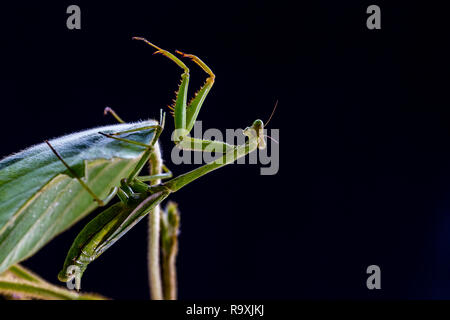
{"x": 101, "y": 202}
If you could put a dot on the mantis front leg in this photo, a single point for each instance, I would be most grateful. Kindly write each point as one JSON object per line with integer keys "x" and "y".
{"x": 185, "y": 114}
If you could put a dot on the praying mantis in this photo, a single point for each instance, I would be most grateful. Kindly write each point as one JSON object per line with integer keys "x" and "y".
{"x": 100, "y": 163}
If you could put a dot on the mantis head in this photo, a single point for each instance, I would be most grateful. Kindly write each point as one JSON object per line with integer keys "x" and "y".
{"x": 256, "y": 131}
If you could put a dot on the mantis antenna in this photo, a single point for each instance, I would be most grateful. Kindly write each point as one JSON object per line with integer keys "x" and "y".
{"x": 271, "y": 115}
{"x": 270, "y": 118}
{"x": 274, "y": 140}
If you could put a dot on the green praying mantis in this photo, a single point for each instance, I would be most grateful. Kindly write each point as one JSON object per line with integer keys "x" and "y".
{"x": 46, "y": 188}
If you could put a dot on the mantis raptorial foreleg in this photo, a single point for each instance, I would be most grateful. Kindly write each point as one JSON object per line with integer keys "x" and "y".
{"x": 196, "y": 103}
{"x": 186, "y": 114}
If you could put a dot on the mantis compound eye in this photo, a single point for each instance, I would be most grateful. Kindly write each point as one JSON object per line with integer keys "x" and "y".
{"x": 258, "y": 124}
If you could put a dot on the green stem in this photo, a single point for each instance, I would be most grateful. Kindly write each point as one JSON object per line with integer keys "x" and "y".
{"x": 25, "y": 274}
{"x": 42, "y": 290}
{"x": 170, "y": 277}
{"x": 154, "y": 269}
{"x": 170, "y": 224}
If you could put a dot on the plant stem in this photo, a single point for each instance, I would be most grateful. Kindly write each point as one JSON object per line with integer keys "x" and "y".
{"x": 154, "y": 270}
{"x": 170, "y": 224}
{"x": 42, "y": 290}
{"x": 170, "y": 278}
{"x": 23, "y": 273}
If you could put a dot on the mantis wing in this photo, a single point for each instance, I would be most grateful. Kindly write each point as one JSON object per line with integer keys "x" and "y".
{"x": 39, "y": 198}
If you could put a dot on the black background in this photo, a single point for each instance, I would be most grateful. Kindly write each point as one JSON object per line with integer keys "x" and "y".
{"x": 364, "y": 167}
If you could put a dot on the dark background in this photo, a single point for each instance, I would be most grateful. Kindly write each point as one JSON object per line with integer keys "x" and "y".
{"x": 364, "y": 168}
